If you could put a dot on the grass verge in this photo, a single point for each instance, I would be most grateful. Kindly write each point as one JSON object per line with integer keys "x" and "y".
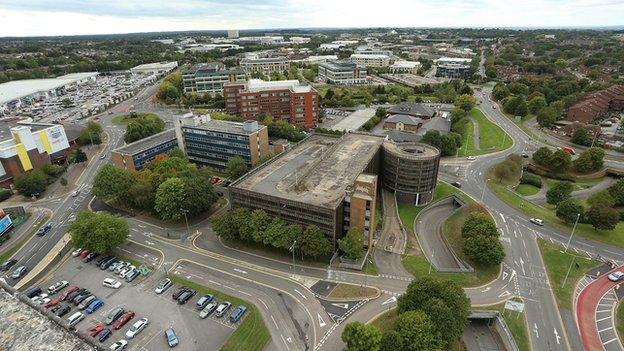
{"x": 127, "y": 118}
{"x": 492, "y": 138}
{"x": 419, "y": 267}
{"x": 557, "y": 265}
{"x": 17, "y": 245}
{"x": 619, "y": 320}
{"x": 252, "y": 334}
{"x": 527, "y": 189}
{"x": 350, "y": 291}
{"x": 385, "y": 322}
{"x": 370, "y": 267}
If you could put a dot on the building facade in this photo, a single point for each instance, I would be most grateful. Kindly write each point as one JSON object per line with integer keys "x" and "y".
{"x": 342, "y": 73}
{"x": 371, "y": 60}
{"x": 265, "y": 65}
{"x": 158, "y": 68}
{"x": 209, "y": 78}
{"x": 136, "y": 155}
{"x": 288, "y": 100}
{"x": 213, "y": 143}
{"x": 594, "y": 105}
{"x": 454, "y": 68}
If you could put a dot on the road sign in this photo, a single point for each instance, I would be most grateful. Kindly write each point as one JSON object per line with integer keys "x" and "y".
{"x": 514, "y": 306}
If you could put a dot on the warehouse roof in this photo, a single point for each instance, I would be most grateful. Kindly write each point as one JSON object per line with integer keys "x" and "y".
{"x": 18, "y": 89}
{"x": 316, "y": 171}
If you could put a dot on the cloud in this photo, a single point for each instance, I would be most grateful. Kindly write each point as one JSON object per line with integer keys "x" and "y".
{"x": 66, "y": 17}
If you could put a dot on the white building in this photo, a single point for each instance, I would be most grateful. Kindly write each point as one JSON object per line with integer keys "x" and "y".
{"x": 342, "y": 73}
{"x": 157, "y": 68}
{"x": 337, "y": 44}
{"x": 371, "y": 60}
{"x": 311, "y": 60}
{"x": 265, "y": 65}
{"x": 300, "y": 40}
{"x": 403, "y": 66}
{"x": 232, "y": 33}
{"x": 372, "y": 50}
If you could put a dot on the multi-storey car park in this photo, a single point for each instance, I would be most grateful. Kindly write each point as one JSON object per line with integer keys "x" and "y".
{"x": 331, "y": 181}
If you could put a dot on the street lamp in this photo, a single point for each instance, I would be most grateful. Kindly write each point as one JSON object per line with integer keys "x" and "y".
{"x": 578, "y": 215}
{"x": 292, "y": 249}
{"x": 188, "y": 231}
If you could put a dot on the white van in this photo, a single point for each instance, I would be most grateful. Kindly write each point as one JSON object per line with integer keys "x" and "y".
{"x": 75, "y": 318}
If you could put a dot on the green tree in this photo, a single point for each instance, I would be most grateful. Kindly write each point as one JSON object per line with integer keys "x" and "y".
{"x": 603, "y": 218}
{"x": 391, "y": 341}
{"x": 170, "y": 199}
{"x": 112, "y": 183}
{"x": 484, "y": 250}
{"x": 228, "y": 224}
{"x": 254, "y": 227}
{"x": 235, "y": 167}
{"x": 418, "y": 332}
{"x": 77, "y": 156}
{"x": 617, "y": 191}
{"x": 542, "y": 156}
{"x": 589, "y": 160}
{"x": 536, "y": 104}
{"x": 581, "y": 136}
{"x": 31, "y": 184}
{"x": 561, "y": 191}
{"x": 352, "y": 244}
{"x": 361, "y": 337}
{"x": 98, "y": 232}
{"x": 92, "y": 134}
{"x": 465, "y": 102}
{"x": 199, "y": 195}
{"x": 314, "y": 243}
{"x": 560, "y": 161}
{"x": 176, "y": 152}
{"x": 601, "y": 198}
{"x": 547, "y": 116}
{"x": 479, "y": 223}
{"x": 142, "y": 127}
{"x": 500, "y": 91}
{"x": 568, "y": 210}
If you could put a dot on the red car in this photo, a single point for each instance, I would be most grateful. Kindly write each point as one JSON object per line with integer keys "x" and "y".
{"x": 67, "y": 291}
{"x": 95, "y": 330}
{"x": 121, "y": 321}
{"x": 84, "y": 254}
{"x": 51, "y": 303}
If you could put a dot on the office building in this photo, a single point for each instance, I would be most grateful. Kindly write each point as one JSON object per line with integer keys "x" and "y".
{"x": 265, "y": 65}
{"x": 370, "y": 60}
{"x": 157, "y": 68}
{"x": 232, "y": 33}
{"x": 30, "y": 147}
{"x": 452, "y": 67}
{"x": 402, "y": 66}
{"x": 342, "y": 73}
{"x": 213, "y": 143}
{"x": 287, "y": 99}
{"x": 136, "y": 155}
{"x": 311, "y": 60}
{"x": 209, "y": 78}
{"x": 331, "y": 181}
{"x": 372, "y": 51}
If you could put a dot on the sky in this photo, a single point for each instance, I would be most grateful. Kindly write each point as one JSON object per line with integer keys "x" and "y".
{"x": 76, "y": 17}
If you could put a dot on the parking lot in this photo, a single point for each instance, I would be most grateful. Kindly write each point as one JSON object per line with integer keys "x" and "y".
{"x": 139, "y": 296}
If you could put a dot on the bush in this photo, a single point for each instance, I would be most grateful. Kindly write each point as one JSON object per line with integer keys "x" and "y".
{"x": 484, "y": 250}
{"x": 531, "y": 179}
{"x": 479, "y": 223}
{"x": 568, "y": 211}
{"x": 559, "y": 192}
{"x": 4, "y": 194}
{"x": 603, "y": 218}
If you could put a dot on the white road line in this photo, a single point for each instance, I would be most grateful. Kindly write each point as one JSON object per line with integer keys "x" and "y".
{"x": 605, "y": 329}
{"x": 244, "y": 293}
{"x": 302, "y": 295}
{"x": 285, "y": 343}
{"x": 274, "y": 322}
{"x": 263, "y": 303}
{"x": 610, "y": 341}
{"x": 603, "y": 319}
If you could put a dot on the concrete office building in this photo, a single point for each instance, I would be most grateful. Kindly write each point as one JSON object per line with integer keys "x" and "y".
{"x": 213, "y": 143}
{"x": 136, "y": 155}
{"x": 370, "y": 60}
{"x": 157, "y": 68}
{"x": 287, "y": 99}
{"x": 265, "y": 65}
{"x": 342, "y": 73}
{"x": 331, "y": 182}
{"x": 402, "y": 66}
{"x": 232, "y": 33}
{"x": 452, "y": 67}
{"x": 30, "y": 147}
{"x": 209, "y": 78}
{"x": 372, "y": 51}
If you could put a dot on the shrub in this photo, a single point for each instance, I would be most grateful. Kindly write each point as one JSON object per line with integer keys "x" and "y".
{"x": 485, "y": 250}
{"x": 4, "y": 194}
{"x": 559, "y": 192}
{"x": 531, "y": 179}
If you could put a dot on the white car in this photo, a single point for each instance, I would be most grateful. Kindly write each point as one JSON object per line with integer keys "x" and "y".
{"x": 77, "y": 252}
{"x": 72, "y": 217}
{"x": 112, "y": 283}
{"x": 39, "y": 298}
{"x": 121, "y": 266}
{"x": 75, "y": 193}
{"x": 119, "y": 345}
{"x": 471, "y": 158}
{"x": 163, "y": 285}
{"x": 44, "y": 300}
{"x": 616, "y": 276}
{"x": 124, "y": 272}
{"x": 136, "y": 328}
{"x": 537, "y": 221}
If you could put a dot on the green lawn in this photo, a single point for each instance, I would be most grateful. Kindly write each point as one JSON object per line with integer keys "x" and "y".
{"x": 492, "y": 138}
{"x": 527, "y": 189}
{"x": 619, "y": 321}
{"x": 385, "y": 321}
{"x": 468, "y": 148}
{"x": 614, "y": 237}
{"x": 557, "y": 265}
{"x": 17, "y": 245}
{"x": 251, "y": 334}
{"x": 419, "y": 267}
{"x": 370, "y": 267}
{"x": 579, "y": 184}
{"x": 125, "y": 119}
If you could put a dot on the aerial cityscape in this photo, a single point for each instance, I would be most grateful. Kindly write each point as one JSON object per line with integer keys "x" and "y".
{"x": 312, "y": 175}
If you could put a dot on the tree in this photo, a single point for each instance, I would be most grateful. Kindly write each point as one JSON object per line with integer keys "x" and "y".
{"x": 98, "y": 232}
{"x": 417, "y": 332}
{"x": 112, "y": 183}
{"x": 479, "y": 223}
{"x": 313, "y": 242}
{"x": 561, "y": 191}
{"x": 228, "y": 224}
{"x": 77, "y": 156}
{"x": 536, "y": 104}
{"x": 589, "y": 160}
{"x": 546, "y": 117}
{"x": 603, "y": 218}
{"x": 617, "y": 191}
{"x": 516, "y": 105}
{"x": 568, "y": 210}
{"x": 235, "y": 167}
{"x": 361, "y": 337}
{"x": 560, "y": 161}
{"x": 198, "y": 195}
{"x": 506, "y": 170}
{"x": 391, "y": 341}
{"x": 601, "y": 198}
{"x": 170, "y": 198}
{"x": 542, "y": 156}
{"x": 500, "y": 91}
{"x": 352, "y": 244}
{"x": 581, "y": 136}
{"x": 31, "y": 184}
{"x": 92, "y": 134}
{"x": 465, "y": 102}
{"x": 485, "y": 250}
{"x": 143, "y": 126}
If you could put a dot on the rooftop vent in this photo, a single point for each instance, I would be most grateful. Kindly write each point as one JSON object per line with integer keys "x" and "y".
{"x": 250, "y": 126}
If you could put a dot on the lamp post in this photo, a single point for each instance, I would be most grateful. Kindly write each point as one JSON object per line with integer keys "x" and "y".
{"x": 578, "y": 215}
{"x": 188, "y": 231}
{"x": 292, "y": 249}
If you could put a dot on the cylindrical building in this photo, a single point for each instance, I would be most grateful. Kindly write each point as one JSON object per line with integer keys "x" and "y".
{"x": 410, "y": 170}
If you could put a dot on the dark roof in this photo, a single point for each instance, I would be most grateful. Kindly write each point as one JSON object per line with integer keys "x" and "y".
{"x": 147, "y": 143}
{"x": 400, "y": 137}
{"x": 413, "y": 109}
{"x": 405, "y": 119}
{"x": 443, "y": 125}
{"x": 72, "y": 131}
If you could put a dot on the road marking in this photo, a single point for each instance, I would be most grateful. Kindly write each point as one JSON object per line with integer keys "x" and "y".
{"x": 610, "y": 341}
{"x": 603, "y": 319}
{"x": 535, "y": 330}
{"x": 341, "y": 305}
{"x": 213, "y": 282}
{"x": 505, "y": 274}
{"x": 240, "y": 271}
{"x": 557, "y": 336}
{"x": 389, "y": 301}
{"x": 488, "y": 288}
{"x": 522, "y": 266}
{"x": 505, "y": 293}
{"x": 284, "y": 340}
{"x": 504, "y": 221}
{"x": 605, "y": 329}
{"x": 263, "y": 303}
{"x": 274, "y": 322}
{"x": 321, "y": 321}
{"x": 135, "y": 230}
{"x": 244, "y": 293}
{"x": 302, "y": 295}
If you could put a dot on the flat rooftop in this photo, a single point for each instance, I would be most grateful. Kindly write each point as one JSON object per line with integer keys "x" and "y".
{"x": 316, "y": 171}
{"x": 411, "y": 150}
{"x": 226, "y": 126}
{"x": 18, "y": 89}
{"x": 255, "y": 85}
{"x": 147, "y": 143}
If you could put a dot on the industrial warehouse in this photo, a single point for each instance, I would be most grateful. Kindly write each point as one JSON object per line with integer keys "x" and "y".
{"x": 331, "y": 181}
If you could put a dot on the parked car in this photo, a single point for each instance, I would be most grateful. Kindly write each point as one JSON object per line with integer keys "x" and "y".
{"x": 44, "y": 230}
{"x": 54, "y": 309}
{"x": 95, "y": 330}
{"x": 44, "y": 300}
{"x": 537, "y": 221}
{"x": 65, "y": 294}
{"x": 75, "y": 193}
{"x": 187, "y": 295}
{"x": 119, "y": 345}
{"x": 39, "y": 297}
{"x": 104, "y": 265}
{"x": 104, "y": 334}
{"x": 53, "y": 289}
{"x": 111, "y": 283}
{"x": 471, "y": 158}
{"x": 84, "y": 253}
{"x": 32, "y": 292}
{"x": 62, "y": 311}
{"x": 208, "y": 309}
{"x": 132, "y": 275}
{"x": 114, "y": 265}
{"x": 223, "y": 308}
{"x": 456, "y": 184}
{"x": 76, "y": 252}
{"x": 124, "y": 272}
{"x": 72, "y": 296}
{"x": 121, "y": 266}
{"x": 616, "y": 276}
{"x": 94, "y": 306}
{"x": 203, "y": 301}
{"x": 7, "y": 265}
{"x": 90, "y": 257}
{"x": 136, "y": 328}
{"x": 19, "y": 272}
{"x": 102, "y": 259}
{"x": 238, "y": 313}
{"x": 163, "y": 285}
{"x": 123, "y": 320}
{"x": 113, "y": 315}
{"x": 180, "y": 291}
{"x": 172, "y": 338}
{"x": 78, "y": 299}
{"x": 51, "y": 303}
{"x": 75, "y": 319}
{"x": 86, "y": 302}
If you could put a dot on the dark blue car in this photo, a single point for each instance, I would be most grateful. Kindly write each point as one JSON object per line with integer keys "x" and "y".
{"x": 44, "y": 230}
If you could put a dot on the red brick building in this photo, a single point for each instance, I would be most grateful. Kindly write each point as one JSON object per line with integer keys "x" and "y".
{"x": 288, "y": 99}
{"x": 597, "y": 103}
